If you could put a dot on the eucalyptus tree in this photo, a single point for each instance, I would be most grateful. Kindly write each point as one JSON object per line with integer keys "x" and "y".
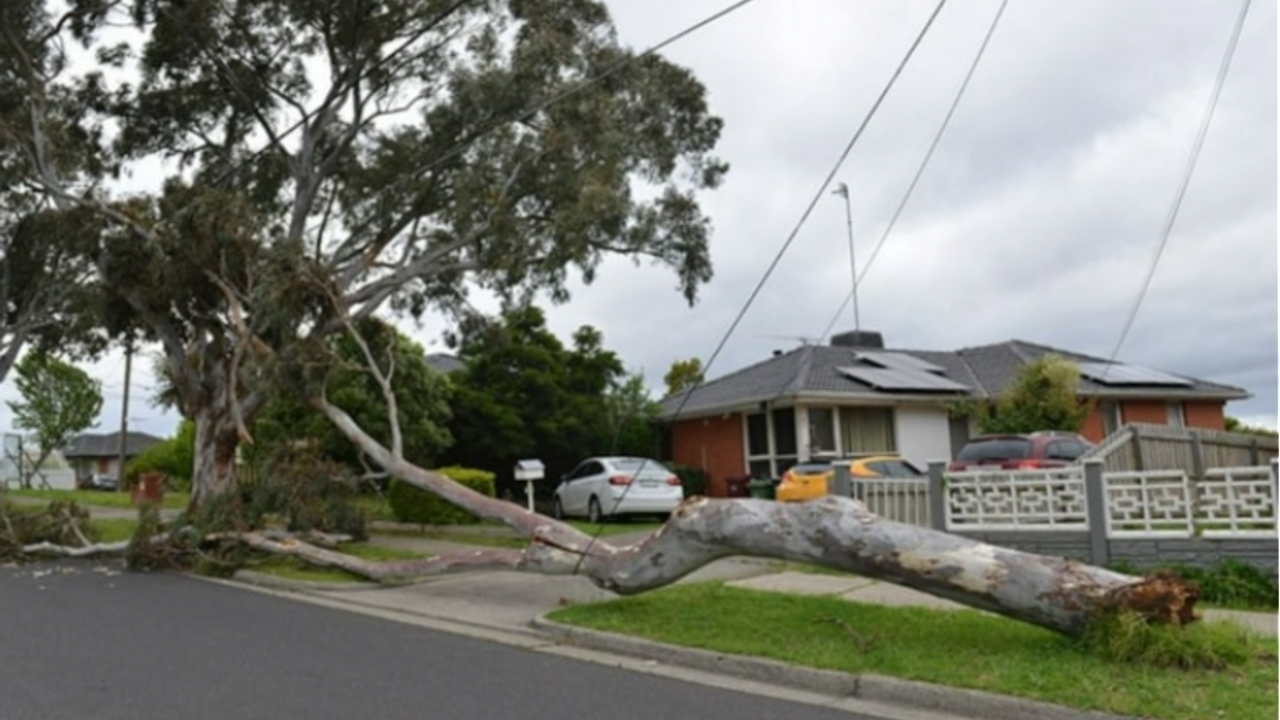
{"x": 296, "y": 167}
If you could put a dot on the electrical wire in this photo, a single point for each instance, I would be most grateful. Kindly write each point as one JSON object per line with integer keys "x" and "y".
{"x": 826, "y": 182}
{"x": 1187, "y": 172}
{"x": 942, "y": 129}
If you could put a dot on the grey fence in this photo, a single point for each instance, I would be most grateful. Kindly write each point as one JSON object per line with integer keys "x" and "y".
{"x": 1140, "y": 447}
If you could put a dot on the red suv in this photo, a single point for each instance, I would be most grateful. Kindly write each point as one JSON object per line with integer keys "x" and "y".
{"x": 1048, "y": 449}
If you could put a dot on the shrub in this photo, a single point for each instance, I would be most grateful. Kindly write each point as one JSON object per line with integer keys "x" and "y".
{"x": 412, "y": 504}
{"x": 1231, "y": 583}
{"x": 693, "y": 478}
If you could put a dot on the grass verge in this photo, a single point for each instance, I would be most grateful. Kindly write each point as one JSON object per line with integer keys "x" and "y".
{"x": 963, "y": 648}
{"x": 291, "y": 568}
{"x": 96, "y": 498}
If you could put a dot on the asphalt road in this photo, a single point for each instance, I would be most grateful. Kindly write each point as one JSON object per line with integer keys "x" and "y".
{"x": 82, "y": 640}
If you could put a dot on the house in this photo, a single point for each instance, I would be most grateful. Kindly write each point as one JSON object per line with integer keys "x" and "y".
{"x": 444, "y": 363}
{"x": 856, "y": 396}
{"x": 99, "y": 453}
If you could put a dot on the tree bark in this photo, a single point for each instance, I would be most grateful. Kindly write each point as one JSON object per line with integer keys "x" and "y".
{"x": 840, "y": 533}
{"x": 216, "y": 440}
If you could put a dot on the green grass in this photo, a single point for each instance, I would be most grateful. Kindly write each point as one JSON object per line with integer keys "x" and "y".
{"x": 97, "y": 498}
{"x": 956, "y": 648}
{"x": 113, "y": 529}
{"x": 291, "y": 568}
{"x": 614, "y": 527}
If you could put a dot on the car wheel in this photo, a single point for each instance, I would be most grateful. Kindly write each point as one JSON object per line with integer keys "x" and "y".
{"x": 593, "y": 512}
{"x": 557, "y": 510}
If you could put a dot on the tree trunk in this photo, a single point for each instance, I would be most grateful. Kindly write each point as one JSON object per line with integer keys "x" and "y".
{"x": 214, "y": 473}
{"x": 835, "y": 532}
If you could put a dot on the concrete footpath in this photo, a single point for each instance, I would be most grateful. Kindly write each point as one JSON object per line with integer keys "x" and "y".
{"x": 510, "y": 607}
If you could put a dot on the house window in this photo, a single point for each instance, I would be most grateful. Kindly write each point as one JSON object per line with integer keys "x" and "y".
{"x": 1176, "y": 416}
{"x": 757, "y": 434}
{"x": 1110, "y": 411}
{"x": 822, "y": 431}
{"x": 784, "y": 431}
{"x": 867, "y": 430}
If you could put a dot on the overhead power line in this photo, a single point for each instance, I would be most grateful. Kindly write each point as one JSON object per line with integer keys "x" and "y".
{"x": 924, "y": 162}
{"x": 822, "y": 189}
{"x": 826, "y": 182}
{"x": 1187, "y": 172}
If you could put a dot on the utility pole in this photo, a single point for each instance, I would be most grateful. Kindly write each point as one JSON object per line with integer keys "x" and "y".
{"x": 843, "y": 191}
{"x": 124, "y": 411}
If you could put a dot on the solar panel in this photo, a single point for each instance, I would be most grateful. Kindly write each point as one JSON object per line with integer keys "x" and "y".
{"x": 1117, "y": 374}
{"x": 908, "y": 379}
{"x": 898, "y": 361}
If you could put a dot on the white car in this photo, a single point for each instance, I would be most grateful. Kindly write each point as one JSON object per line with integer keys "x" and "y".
{"x": 602, "y": 487}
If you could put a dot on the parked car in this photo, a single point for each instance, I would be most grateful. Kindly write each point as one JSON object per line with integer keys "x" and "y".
{"x": 100, "y": 481}
{"x": 602, "y": 487}
{"x": 1048, "y": 449}
{"x": 810, "y": 480}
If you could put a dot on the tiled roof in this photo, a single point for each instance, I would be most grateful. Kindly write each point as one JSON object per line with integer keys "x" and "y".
{"x": 444, "y": 363}
{"x": 98, "y": 445}
{"x": 987, "y": 370}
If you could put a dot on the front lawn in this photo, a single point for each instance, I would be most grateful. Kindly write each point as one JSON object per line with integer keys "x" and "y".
{"x": 99, "y": 498}
{"x": 957, "y": 648}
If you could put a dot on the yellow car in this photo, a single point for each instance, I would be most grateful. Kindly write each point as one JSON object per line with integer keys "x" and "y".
{"x": 809, "y": 480}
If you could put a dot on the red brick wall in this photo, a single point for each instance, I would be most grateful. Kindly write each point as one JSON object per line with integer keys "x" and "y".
{"x": 1206, "y": 414}
{"x": 1092, "y": 427}
{"x": 714, "y": 444}
{"x": 1144, "y": 411}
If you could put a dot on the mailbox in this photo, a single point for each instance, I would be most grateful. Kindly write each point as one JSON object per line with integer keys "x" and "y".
{"x": 528, "y": 471}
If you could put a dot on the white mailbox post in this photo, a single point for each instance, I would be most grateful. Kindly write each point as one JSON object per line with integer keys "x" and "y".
{"x": 528, "y": 471}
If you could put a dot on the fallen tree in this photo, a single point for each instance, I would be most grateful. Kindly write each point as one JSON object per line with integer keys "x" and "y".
{"x": 835, "y": 532}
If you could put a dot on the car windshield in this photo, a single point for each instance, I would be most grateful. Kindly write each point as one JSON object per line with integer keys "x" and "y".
{"x": 996, "y": 449}
{"x": 894, "y": 469}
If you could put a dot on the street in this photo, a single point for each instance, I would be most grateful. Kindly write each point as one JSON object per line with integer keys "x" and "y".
{"x": 84, "y": 640}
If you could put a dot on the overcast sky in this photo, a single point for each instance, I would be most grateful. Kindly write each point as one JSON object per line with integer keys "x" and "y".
{"x": 1036, "y": 219}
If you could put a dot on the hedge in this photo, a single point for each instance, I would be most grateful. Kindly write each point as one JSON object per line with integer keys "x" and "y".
{"x": 411, "y": 504}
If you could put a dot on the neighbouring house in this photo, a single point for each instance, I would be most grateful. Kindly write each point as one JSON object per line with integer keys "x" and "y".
{"x": 856, "y": 396}
{"x": 90, "y": 453}
{"x": 445, "y": 363}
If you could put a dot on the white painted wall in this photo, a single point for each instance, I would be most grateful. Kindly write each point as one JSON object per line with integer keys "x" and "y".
{"x": 922, "y": 434}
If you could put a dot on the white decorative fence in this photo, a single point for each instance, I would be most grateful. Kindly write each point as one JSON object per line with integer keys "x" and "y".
{"x": 1149, "y": 518}
{"x": 1236, "y": 502}
{"x": 1020, "y": 500}
{"x": 1151, "y": 504}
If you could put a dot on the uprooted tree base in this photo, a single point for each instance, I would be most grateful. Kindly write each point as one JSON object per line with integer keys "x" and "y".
{"x": 839, "y": 533}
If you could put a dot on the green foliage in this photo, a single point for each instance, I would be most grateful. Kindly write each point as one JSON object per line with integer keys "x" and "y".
{"x": 683, "y": 375}
{"x": 693, "y": 478}
{"x": 631, "y": 418}
{"x": 60, "y": 523}
{"x": 269, "y": 232}
{"x": 1230, "y": 584}
{"x": 1044, "y": 396}
{"x": 422, "y": 401}
{"x": 175, "y": 457}
{"x": 302, "y": 490}
{"x": 412, "y": 504}
{"x": 1235, "y": 425}
{"x": 524, "y": 394}
{"x": 1127, "y": 637}
{"x": 58, "y": 400}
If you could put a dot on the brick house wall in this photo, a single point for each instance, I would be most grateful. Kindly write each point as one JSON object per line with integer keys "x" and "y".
{"x": 714, "y": 444}
{"x": 1155, "y": 412}
{"x": 1205, "y": 414}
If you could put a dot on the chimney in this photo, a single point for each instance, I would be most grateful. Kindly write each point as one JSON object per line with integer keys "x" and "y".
{"x": 868, "y": 339}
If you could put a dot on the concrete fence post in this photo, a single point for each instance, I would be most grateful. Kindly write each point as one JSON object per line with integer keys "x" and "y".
{"x": 1095, "y": 499}
{"x": 1275, "y": 490}
{"x": 937, "y": 495}
{"x": 841, "y": 482}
